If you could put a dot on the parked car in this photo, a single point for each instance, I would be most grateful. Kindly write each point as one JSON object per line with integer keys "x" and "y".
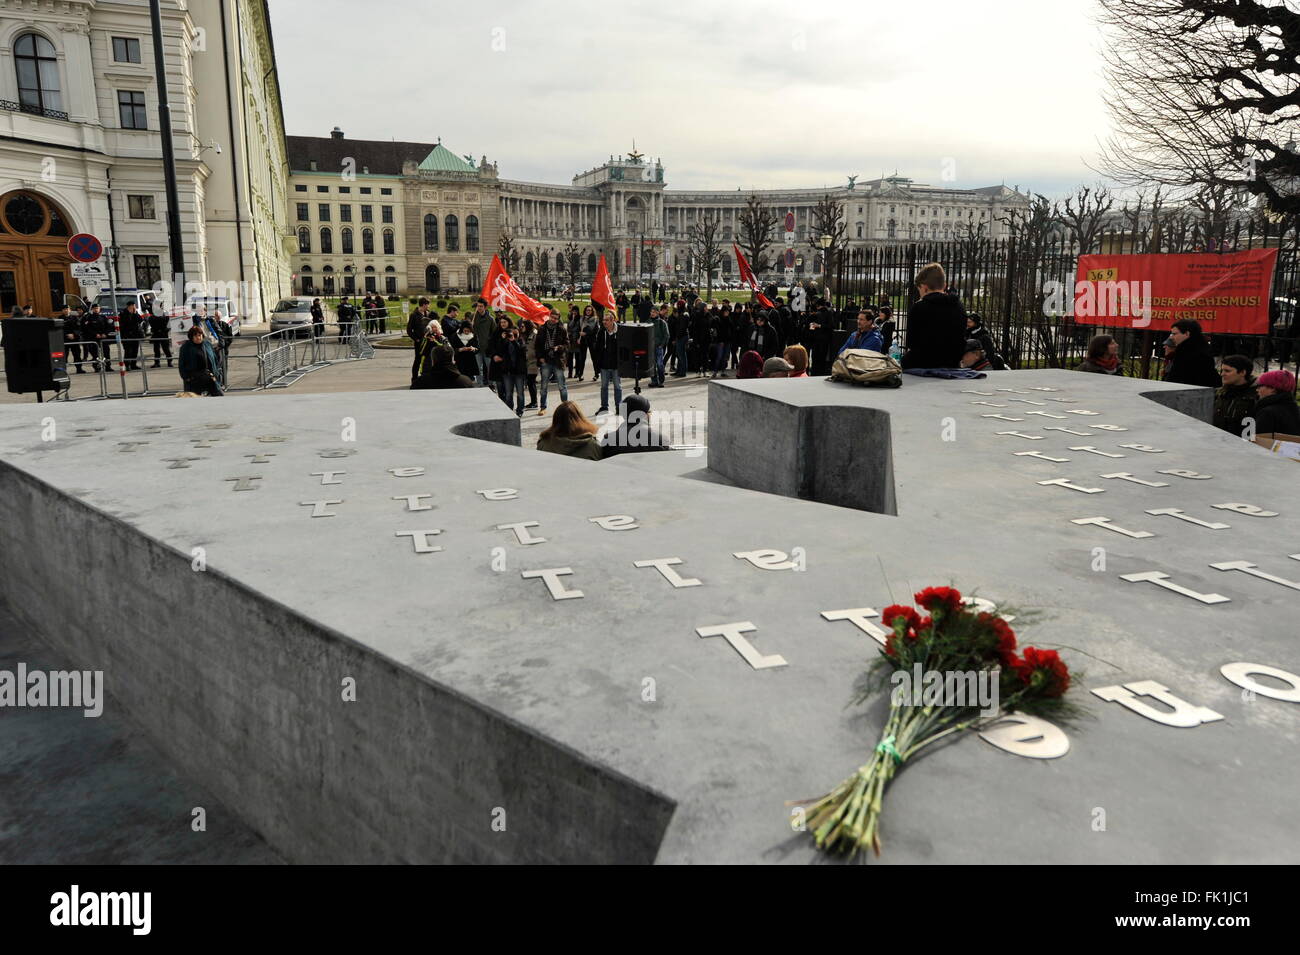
{"x": 295, "y": 314}
{"x": 229, "y": 310}
{"x": 112, "y": 302}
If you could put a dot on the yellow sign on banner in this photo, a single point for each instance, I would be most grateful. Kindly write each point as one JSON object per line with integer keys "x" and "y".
{"x": 1103, "y": 275}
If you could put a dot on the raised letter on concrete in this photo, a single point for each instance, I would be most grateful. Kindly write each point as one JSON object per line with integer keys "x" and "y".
{"x": 767, "y": 559}
{"x": 615, "y": 522}
{"x": 732, "y": 632}
{"x": 1176, "y": 512}
{"x": 413, "y": 501}
{"x": 328, "y": 477}
{"x": 665, "y": 566}
{"x": 1106, "y": 523}
{"x": 1248, "y": 509}
{"x": 1064, "y": 482}
{"x": 1029, "y": 736}
{"x": 1162, "y": 580}
{"x": 318, "y": 507}
{"x": 1247, "y": 567}
{"x": 1039, "y": 454}
{"x": 858, "y": 617}
{"x": 421, "y": 540}
{"x": 499, "y": 494}
{"x": 1184, "y": 715}
{"x": 1125, "y": 476}
{"x": 1241, "y": 673}
{"x": 552, "y": 575}
{"x": 521, "y": 531}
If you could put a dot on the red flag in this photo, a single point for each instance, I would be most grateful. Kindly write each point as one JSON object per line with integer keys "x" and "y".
{"x": 747, "y": 276}
{"x": 501, "y": 292}
{"x": 602, "y": 292}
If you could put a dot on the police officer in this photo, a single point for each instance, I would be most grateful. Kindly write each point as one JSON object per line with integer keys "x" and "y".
{"x": 97, "y": 332}
{"x": 71, "y": 335}
{"x": 347, "y": 317}
{"x": 160, "y": 335}
{"x": 132, "y": 329}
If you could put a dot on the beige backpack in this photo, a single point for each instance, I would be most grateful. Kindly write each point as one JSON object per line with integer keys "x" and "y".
{"x": 864, "y": 367}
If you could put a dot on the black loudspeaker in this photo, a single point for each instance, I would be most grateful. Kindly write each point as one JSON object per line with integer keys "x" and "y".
{"x": 636, "y": 351}
{"x": 838, "y": 338}
{"x": 35, "y": 356}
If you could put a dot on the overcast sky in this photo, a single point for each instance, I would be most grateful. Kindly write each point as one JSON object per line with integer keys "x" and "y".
{"x": 728, "y": 94}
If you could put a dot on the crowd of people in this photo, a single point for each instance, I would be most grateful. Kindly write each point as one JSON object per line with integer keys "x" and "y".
{"x": 1244, "y": 404}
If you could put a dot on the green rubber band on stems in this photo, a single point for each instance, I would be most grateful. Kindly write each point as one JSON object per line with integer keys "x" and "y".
{"x": 887, "y": 747}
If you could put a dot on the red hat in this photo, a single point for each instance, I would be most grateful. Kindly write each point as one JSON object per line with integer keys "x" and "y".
{"x": 1278, "y": 380}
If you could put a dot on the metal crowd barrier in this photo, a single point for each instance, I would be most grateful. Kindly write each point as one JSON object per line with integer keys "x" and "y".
{"x": 282, "y": 358}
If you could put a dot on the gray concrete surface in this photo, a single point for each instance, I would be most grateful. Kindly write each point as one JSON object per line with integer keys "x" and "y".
{"x": 85, "y": 791}
{"x": 481, "y": 692}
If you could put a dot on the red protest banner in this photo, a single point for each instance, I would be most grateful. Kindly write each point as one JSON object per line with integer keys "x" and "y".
{"x": 1226, "y": 292}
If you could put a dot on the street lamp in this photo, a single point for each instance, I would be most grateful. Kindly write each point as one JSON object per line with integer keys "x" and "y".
{"x": 825, "y": 241}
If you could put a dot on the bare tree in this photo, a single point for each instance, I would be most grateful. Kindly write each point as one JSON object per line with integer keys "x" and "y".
{"x": 571, "y": 264}
{"x": 705, "y": 238}
{"x": 507, "y": 252}
{"x": 757, "y": 230}
{"x": 1205, "y": 93}
{"x": 1084, "y": 213}
{"x": 649, "y": 259}
{"x": 543, "y": 270}
{"x": 828, "y": 219}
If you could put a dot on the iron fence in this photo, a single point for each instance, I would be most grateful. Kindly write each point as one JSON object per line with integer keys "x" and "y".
{"x": 1018, "y": 284}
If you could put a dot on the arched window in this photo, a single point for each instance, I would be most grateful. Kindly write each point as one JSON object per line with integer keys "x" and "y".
{"x": 431, "y": 233}
{"x": 591, "y": 264}
{"x": 367, "y": 241}
{"x": 327, "y": 241}
{"x": 474, "y": 274}
{"x": 471, "y": 235}
{"x": 388, "y": 242}
{"x": 451, "y": 228}
{"x": 546, "y": 263}
{"x": 432, "y": 278}
{"x": 347, "y": 241}
{"x": 528, "y": 262}
{"x": 304, "y": 240}
{"x": 38, "y": 74}
{"x": 328, "y": 281}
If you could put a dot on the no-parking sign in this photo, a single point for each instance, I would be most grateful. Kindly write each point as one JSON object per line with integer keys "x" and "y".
{"x": 85, "y": 247}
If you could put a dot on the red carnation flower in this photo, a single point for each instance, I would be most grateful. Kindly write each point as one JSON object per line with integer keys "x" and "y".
{"x": 892, "y": 613}
{"x": 935, "y": 599}
{"x": 924, "y": 625}
{"x": 1005, "y": 636}
{"x": 1044, "y": 670}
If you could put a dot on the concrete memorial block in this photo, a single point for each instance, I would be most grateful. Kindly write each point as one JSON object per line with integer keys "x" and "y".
{"x": 489, "y": 674}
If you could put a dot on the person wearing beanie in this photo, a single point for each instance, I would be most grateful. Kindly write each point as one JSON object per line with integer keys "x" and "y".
{"x": 975, "y": 357}
{"x": 1191, "y": 363}
{"x": 1276, "y": 411}
{"x": 777, "y": 368}
{"x": 1235, "y": 401}
{"x": 751, "y": 365}
{"x": 634, "y": 433}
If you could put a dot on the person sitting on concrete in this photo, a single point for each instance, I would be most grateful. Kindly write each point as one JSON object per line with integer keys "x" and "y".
{"x": 570, "y": 433}
{"x": 634, "y": 432}
{"x": 974, "y": 357}
{"x": 866, "y": 336}
{"x": 1276, "y": 411}
{"x": 1191, "y": 363}
{"x": 936, "y": 324}
{"x": 751, "y": 365}
{"x": 777, "y": 368}
{"x": 435, "y": 363}
{"x": 1103, "y": 357}
{"x": 797, "y": 356}
{"x": 1235, "y": 400}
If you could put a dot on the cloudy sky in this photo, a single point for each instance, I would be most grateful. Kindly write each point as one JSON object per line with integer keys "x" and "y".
{"x": 728, "y": 94}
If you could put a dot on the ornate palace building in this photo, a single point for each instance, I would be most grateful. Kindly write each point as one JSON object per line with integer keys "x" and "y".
{"x": 407, "y": 217}
{"x": 80, "y": 148}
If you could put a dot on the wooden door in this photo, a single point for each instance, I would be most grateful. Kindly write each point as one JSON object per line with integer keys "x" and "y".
{"x": 35, "y": 268}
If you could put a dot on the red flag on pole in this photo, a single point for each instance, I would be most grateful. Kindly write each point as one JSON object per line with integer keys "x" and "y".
{"x": 501, "y": 292}
{"x": 747, "y": 276}
{"x": 602, "y": 292}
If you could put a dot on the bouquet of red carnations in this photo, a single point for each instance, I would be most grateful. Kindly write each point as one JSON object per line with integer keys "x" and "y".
{"x": 952, "y": 670}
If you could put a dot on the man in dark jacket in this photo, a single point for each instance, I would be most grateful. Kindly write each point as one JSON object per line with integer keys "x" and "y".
{"x": 605, "y": 354}
{"x": 1235, "y": 401}
{"x": 347, "y": 318}
{"x": 679, "y": 326}
{"x": 418, "y": 321}
{"x": 96, "y": 332}
{"x": 160, "y": 338}
{"x": 451, "y": 321}
{"x": 132, "y": 329}
{"x": 887, "y": 327}
{"x": 483, "y": 328}
{"x": 634, "y": 433}
{"x": 1191, "y": 363}
{"x": 552, "y": 350}
{"x": 763, "y": 338}
{"x": 1276, "y": 412}
{"x": 72, "y": 335}
{"x": 936, "y": 324}
{"x": 661, "y": 333}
